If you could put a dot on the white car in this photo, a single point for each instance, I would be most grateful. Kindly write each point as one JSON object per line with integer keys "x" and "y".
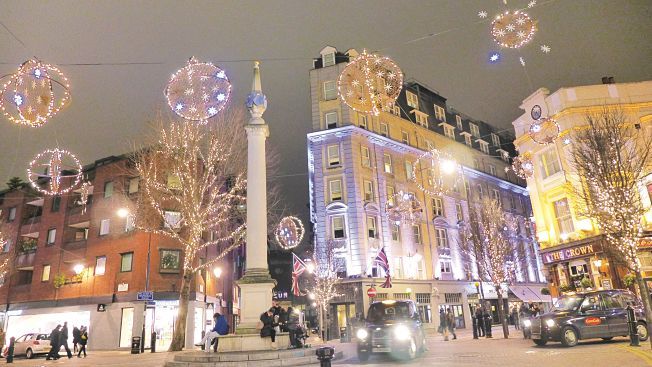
{"x": 30, "y": 344}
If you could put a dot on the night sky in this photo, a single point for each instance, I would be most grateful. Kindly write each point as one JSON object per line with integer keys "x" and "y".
{"x": 111, "y": 104}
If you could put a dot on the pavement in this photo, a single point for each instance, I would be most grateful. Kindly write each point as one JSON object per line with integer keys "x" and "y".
{"x": 465, "y": 351}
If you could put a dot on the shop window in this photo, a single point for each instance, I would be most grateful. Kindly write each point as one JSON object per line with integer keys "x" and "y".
{"x": 126, "y": 262}
{"x": 170, "y": 261}
{"x": 126, "y": 326}
{"x": 425, "y": 313}
{"x": 108, "y": 189}
{"x": 100, "y": 265}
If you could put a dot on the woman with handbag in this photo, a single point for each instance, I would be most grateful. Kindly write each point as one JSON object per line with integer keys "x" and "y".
{"x": 267, "y": 325}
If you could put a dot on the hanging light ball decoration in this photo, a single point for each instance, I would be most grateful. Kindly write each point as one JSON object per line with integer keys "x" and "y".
{"x": 440, "y": 174}
{"x": 289, "y": 232}
{"x": 545, "y": 131}
{"x": 404, "y": 207}
{"x": 369, "y": 83}
{"x": 51, "y": 169}
{"x": 523, "y": 166}
{"x": 34, "y": 93}
{"x": 513, "y": 29}
{"x": 198, "y": 91}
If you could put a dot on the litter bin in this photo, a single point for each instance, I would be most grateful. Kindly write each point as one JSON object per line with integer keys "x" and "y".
{"x": 135, "y": 344}
{"x": 325, "y": 355}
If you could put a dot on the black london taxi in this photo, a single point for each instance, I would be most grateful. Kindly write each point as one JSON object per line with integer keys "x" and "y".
{"x": 392, "y": 326}
{"x": 588, "y": 315}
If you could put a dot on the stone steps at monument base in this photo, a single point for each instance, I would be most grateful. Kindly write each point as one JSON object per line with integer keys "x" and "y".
{"x": 280, "y": 358}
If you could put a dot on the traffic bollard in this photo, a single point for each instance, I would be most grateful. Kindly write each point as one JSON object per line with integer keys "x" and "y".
{"x": 325, "y": 355}
{"x": 631, "y": 321}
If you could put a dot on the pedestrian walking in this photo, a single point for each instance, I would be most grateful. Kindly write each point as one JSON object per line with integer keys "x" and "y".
{"x": 293, "y": 327}
{"x": 83, "y": 340}
{"x": 443, "y": 324}
{"x": 488, "y": 319}
{"x": 515, "y": 318}
{"x": 10, "y": 350}
{"x": 450, "y": 321}
{"x": 54, "y": 343}
{"x": 76, "y": 334}
{"x": 63, "y": 339}
{"x": 479, "y": 317}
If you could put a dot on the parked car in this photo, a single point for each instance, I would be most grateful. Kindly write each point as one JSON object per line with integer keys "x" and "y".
{"x": 30, "y": 345}
{"x": 391, "y": 327}
{"x": 588, "y": 315}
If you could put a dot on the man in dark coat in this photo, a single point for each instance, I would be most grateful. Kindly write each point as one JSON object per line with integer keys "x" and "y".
{"x": 479, "y": 317}
{"x": 54, "y": 343}
{"x": 76, "y": 338}
{"x": 267, "y": 319}
{"x": 63, "y": 339}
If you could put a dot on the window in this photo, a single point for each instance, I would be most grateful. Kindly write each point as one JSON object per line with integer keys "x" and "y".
{"x": 440, "y": 113}
{"x": 52, "y": 236}
{"x": 474, "y": 130}
{"x": 335, "y": 189}
{"x": 174, "y": 183}
{"x": 172, "y": 219}
{"x": 484, "y": 147}
{"x": 421, "y": 118}
{"x": 405, "y": 137}
{"x": 388, "y": 163}
{"x": 460, "y": 212}
{"x": 126, "y": 262}
{"x": 56, "y": 203}
{"x": 449, "y": 131}
{"x": 467, "y": 140}
{"x": 492, "y": 169}
{"x": 333, "y": 152}
{"x": 130, "y": 223}
{"x": 396, "y": 232}
{"x": 362, "y": 122}
{"x": 12, "y": 214}
{"x": 512, "y": 202}
{"x": 495, "y": 195}
{"x": 371, "y": 227}
{"x": 476, "y": 164}
{"x": 24, "y": 277}
{"x": 467, "y": 187}
{"x": 563, "y": 215}
{"x": 45, "y": 276}
{"x": 390, "y": 196}
{"x": 330, "y": 90}
{"x": 368, "y": 188}
{"x": 170, "y": 260}
{"x": 437, "y": 207}
{"x": 6, "y": 246}
{"x": 134, "y": 183}
{"x": 430, "y": 145}
{"x": 480, "y": 193}
{"x": 412, "y": 100}
{"x": 108, "y": 189}
{"x": 331, "y": 120}
{"x": 416, "y": 231}
{"x": 445, "y": 266}
{"x": 100, "y": 265}
{"x": 409, "y": 170}
{"x": 396, "y": 110}
{"x": 337, "y": 226}
{"x": 328, "y": 59}
{"x": 105, "y": 225}
{"x": 458, "y": 121}
{"x": 441, "y": 238}
{"x": 549, "y": 163}
{"x": 126, "y": 326}
{"x": 495, "y": 139}
{"x": 384, "y": 129}
{"x": 365, "y": 157}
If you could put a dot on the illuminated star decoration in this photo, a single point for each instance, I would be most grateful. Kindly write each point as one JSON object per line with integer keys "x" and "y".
{"x": 440, "y": 173}
{"x": 545, "y": 131}
{"x": 521, "y": 60}
{"x": 62, "y": 172}
{"x": 482, "y": 14}
{"x": 34, "y": 93}
{"x": 289, "y": 232}
{"x": 513, "y": 29}
{"x": 523, "y": 166}
{"x": 198, "y": 91}
{"x": 545, "y": 49}
{"x": 404, "y": 207}
{"x": 494, "y": 57}
{"x": 370, "y": 83}
{"x": 531, "y": 4}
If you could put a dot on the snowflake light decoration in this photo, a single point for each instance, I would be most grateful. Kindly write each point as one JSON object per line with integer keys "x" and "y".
{"x": 482, "y": 14}
{"x": 545, "y": 49}
{"x": 523, "y": 166}
{"x": 198, "y": 91}
{"x": 439, "y": 173}
{"x": 404, "y": 207}
{"x": 289, "y": 232}
{"x": 544, "y": 131}
{"x": 370, "y": 83}
{"x": 85, "y": 190}
{"x": 531, "y": 4}
{"x": 513, "y": 29}
{"x": 34, "y": 93}
{"x": 57, "y": 165}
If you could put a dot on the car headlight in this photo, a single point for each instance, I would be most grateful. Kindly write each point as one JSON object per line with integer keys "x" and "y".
{"x": 550, "y": 322}
{"x": 401, "y": 332}
{"x": 527, "y": 323}
{"x": 362, "y": 334}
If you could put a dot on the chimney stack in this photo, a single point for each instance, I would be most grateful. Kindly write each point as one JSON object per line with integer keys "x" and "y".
{"x": 608, "y": 80}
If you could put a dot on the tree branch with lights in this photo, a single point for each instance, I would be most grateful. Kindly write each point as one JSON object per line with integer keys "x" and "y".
{"x": 324, "y": 285}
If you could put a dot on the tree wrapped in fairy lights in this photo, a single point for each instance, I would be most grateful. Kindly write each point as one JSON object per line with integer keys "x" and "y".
{"x": 488, "y": 239}
{"x": 325, "y": 281}
{"x": 611, "y": 155}
{"x": 7, "y": 252}
{"x": 193, "y": 183}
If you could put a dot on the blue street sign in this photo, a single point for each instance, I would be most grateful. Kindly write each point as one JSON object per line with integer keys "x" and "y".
{"x": 145, "y": 296}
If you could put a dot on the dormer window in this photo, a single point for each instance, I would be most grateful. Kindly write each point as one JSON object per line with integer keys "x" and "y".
{"x": 484, "y": 146}
{"x": 495, "y": 139}
{"x": 475, "y": 131}
{"x": 328, "y": 59}
{"x": 440, "y": 113}
{"x": 458, "y": 121}
{"x": 412, "y": 100}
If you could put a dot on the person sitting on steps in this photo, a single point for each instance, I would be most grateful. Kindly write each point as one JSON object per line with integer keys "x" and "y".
{"x": 267, "y": 326}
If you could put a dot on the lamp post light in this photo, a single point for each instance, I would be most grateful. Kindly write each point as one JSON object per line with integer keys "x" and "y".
{"x": 79, "y": 268}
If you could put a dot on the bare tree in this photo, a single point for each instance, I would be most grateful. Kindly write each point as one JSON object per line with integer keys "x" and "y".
{"x": 611, "y": 154}
{"x": 7, "y": 252}
{"x": 193, "y": 180}
{"x": 324, "y": 286}
{"x": 488, "y": 240}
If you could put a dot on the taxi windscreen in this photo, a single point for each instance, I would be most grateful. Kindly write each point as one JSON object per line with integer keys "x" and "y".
{"x": 384, "y": 312}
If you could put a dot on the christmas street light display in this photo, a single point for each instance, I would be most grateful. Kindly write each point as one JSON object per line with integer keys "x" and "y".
{"x": 289, "y": 232}
{"x": 84, "y": 192}
{"x": 523, "y": 166}
{"x": 545, "y": 131}
{"x": 198, "y": 91}
{"x": 439, "y": 173}
{"x": 57, "y": 165}
{"x": 513, "y": 29}
{"x": 404, "y": 207}
{"x": 370, "y": 83}
{"x": 34, "y": 93}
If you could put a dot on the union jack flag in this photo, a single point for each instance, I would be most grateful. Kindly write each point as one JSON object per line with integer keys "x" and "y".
{"x": 381, "y": 260}
{"x": 298, "y": 268}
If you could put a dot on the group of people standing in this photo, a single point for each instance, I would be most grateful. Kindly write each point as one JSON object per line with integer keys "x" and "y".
{"x": 59, "y": 338}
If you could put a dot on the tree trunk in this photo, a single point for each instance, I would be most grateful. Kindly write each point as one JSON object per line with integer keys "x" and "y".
{"x": 321, "y": 323}
{"x": 647, "y": 305}
{"x": 501, "y": 313}
{"x": 179, "y": 336}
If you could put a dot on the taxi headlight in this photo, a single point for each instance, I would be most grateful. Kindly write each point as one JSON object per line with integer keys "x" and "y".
{"x": 402, "y": 332}
{"x": 362, "y": 334}
{"x": 527, "y": 323}
{"x": 550, "y": 322}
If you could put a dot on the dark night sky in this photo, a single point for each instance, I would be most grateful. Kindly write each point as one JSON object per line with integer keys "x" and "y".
{"x": 111, "y": 104}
